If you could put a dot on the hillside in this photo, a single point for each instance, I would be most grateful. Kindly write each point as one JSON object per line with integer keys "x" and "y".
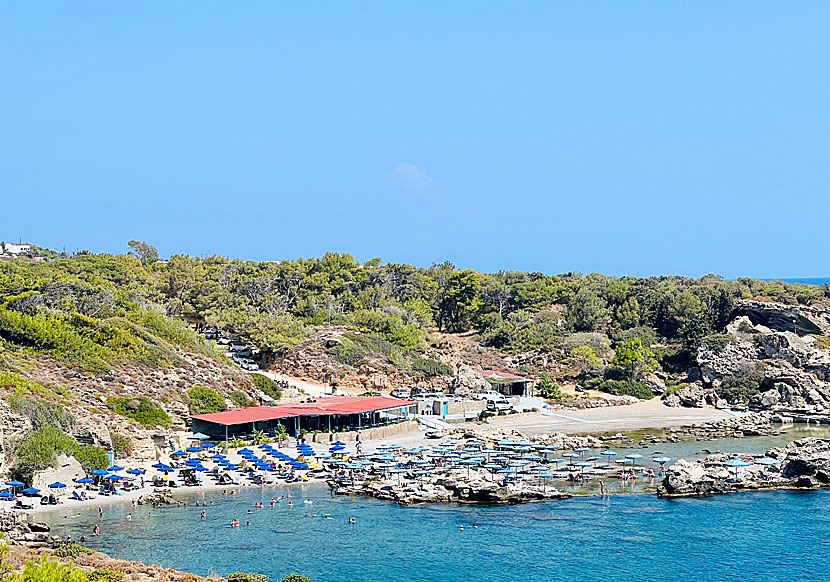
{"x": 114, "y": 341}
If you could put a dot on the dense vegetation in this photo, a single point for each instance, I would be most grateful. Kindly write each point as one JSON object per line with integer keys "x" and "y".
{"x": 204, "y": 400}
{"x": 38, "y": 450}
{"x": 140, "y": 409}
{"x": 92, "y": 310}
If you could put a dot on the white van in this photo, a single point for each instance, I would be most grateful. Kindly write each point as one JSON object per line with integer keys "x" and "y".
{"x": 499, "y": 405}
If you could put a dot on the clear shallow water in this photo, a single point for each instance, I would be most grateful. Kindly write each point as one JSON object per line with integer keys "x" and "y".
{"x": 748, "y": 537}
{"x": 764, "y": 536}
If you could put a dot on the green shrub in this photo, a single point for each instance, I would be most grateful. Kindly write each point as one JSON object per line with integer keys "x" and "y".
{"x": 348, "y": 352}
{"x": 626, "y": 387}
{"x": 71, "y": 550}
{"x": 203, "y": 400}
{"x": 431, "y": 368}
{"x": 717, "y": 342}
{"x": 105, "y": 576}
{"x": 140, "y": 409}
{"x": 267, "y": 386}
{"x": 738, "y": 389}
{"x": 121, "y": 444}
{"x": 240, "y": 399}
{"x": 42, "y": 413}
{"x": 38, "y": 449}
{"x": 22, "y": 386}
{"x": 243, "y": 577}
{"x": 396, "y": 358}
{"x": 672, "y": 386}
{"x": 49, "y": 570}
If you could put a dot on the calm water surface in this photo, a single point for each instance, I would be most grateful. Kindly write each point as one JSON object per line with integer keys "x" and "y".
{"x": 748, "y": 537}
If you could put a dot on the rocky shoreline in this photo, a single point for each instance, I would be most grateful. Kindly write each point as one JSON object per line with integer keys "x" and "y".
{"x": 803, "y": 464}
{"x": 450, "y": 490}
{"x": 32, "y": 541}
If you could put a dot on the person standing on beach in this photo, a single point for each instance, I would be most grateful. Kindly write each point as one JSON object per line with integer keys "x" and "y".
{"x": 100, "y": 511}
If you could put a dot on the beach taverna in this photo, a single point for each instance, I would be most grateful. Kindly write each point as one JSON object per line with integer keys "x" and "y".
{"x": 507, "y": 383}
{"x": 336, "y": 413}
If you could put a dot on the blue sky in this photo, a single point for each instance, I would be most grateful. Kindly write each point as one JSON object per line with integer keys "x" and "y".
{"x": 639, "y": 138}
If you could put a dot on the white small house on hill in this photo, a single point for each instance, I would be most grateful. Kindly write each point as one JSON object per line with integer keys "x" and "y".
{"x": 15, "y": 248}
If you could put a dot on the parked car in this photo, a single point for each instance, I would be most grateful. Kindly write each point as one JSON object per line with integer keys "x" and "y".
{"x": 417, "y": 391}
{"x": 242, "y": 350}
{"x": 487, "y": 396}
{"x": 499, "y": 406}
{"x": 399, "y": 393}
{"x": 248, "y": 364}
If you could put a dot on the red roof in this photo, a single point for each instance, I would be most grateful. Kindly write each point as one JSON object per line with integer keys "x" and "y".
{"x": 499, "y": 375}
{"x": 322, "y": 406}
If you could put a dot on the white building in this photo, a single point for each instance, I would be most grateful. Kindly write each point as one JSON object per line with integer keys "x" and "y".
{"x": 16, "y": 249}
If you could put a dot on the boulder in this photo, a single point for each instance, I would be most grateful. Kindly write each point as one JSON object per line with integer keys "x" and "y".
{"x": 734, "y": 359}
{"x": 468, "y": 381}
{"x": 653, "y": 381}
{"x": 66, "y": 470}
{"x": 801, "y": 319}
{"x": 692, "y": 396}
{"x": 672, "y": 400}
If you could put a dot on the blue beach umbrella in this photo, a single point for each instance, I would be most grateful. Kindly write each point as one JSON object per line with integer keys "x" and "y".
{"x": 736, "y": 464}
{"x": 135, "y": 471}
{"x": 208, "y": 445}
{"x": 339, "y": 443}
{"x": 6, "y": 495}
{"x": 115, "y": 469}
{"x": 199, "y": 436}
{"x": 57, "y": 485}
{"x": 15, "y": 484}
{"x": 30, "y": 491}
{"x": 767, "y": 461}
{"x": 179, "y": 453}
{"x": 99, "y": 473}
{"x": 194, "y": 449}
{"x": 112, "y": 478}
{"x": 85, "y": 481}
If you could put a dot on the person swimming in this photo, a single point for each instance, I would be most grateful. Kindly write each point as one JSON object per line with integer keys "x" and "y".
{"x": 96, "y": 531}
{"x": 308, "y": 501}
{"x": 204, "y": 514}
{"x": 352, "y": 520}
{"x": 129, "y": 517}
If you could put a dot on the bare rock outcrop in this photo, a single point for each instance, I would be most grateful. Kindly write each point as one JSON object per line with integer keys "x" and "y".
{"x": 66, "y": 469}
{"x": 801, "y": 319}
{"x": 804, "y": 463}
{"x": 769, "y": 348}
{"x": 468, "y": 381}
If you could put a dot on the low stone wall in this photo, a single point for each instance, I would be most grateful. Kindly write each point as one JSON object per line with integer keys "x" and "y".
{"x": 379, "y": 432}
{"x": 466, "y": 406}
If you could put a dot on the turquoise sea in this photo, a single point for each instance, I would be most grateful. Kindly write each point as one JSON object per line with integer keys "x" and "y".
{"x": 804, "y": 280}
{"x": 747, "y": 537}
